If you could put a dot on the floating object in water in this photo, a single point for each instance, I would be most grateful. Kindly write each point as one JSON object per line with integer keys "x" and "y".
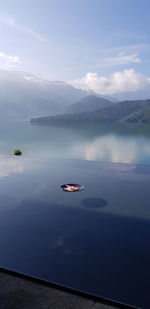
{"x": 72, "y": 187}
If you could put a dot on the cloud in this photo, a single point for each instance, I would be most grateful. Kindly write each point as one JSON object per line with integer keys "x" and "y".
{"x": 127, "y": 49}
{"x": 121, "y": 55}
{"x": 11, "y": 22}
{"x": 9, "y": 61}
{"x": 119, "y": 60}
{"x": 118, "y": 82}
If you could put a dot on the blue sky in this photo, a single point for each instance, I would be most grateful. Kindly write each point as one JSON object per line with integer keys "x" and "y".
{"x": 66, "y": 39}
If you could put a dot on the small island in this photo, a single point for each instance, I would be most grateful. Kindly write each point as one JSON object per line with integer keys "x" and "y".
{"x": 17, "y": 152}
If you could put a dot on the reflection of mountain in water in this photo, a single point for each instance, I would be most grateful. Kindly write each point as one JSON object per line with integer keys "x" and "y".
{"x": 91, "y": 130}
{"x": 115, "y": 143}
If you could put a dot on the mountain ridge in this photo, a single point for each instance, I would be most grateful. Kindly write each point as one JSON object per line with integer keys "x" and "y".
{"x": 25, "y": 95}
{"x": 89, "y": 103}
{"x": 117, "y": 113}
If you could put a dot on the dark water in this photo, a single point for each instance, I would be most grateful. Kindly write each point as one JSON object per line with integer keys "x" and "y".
{"x": 95, "y": 240}
{"x": 128, "y": 144}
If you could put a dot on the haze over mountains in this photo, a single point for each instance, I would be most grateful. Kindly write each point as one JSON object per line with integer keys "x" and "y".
{"x": 89, "y": 103}
{"x": 24, "y": 96}
{"x": 121, "y": 112}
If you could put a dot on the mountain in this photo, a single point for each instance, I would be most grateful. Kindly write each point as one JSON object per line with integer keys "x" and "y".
{"x": 141, "y": 116}
{"x": 121, "y": 112}
{"x": 23, "y": 95}
{"x": 88, "y": 104}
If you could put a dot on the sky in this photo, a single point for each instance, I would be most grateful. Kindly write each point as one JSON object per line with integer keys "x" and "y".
{"x": 99, "y": 44}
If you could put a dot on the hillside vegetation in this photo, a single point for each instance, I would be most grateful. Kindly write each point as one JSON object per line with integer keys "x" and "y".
{"x": 122, "y": 112}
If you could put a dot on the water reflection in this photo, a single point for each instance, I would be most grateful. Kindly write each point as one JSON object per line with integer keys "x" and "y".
{"x": 113, "y": 148}
{"x": 80, "y": 249}
{"x": 114, "y": 143}
{"x": 66, "y": 245}
{"x": 10, "y": 165}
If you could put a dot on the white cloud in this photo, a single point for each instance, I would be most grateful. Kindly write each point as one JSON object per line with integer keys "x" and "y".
{"x": 127, "y": 49}
{"x": 118, "y": 82}
{"x": 119, "y": 60}
{"x": 121, "y": 55}
{"x": 11, "y": 22}
{"x": 9, "y": 61}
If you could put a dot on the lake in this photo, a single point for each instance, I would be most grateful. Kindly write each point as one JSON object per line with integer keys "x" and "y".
{"x": 126, "y": 144}
{"x": 95, "y": 240}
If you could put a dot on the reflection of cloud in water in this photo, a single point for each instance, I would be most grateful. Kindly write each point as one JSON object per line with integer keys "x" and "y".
{"x": 114, "y": 149}
{"x": 9, "y": 165}
{"x": 59, "y": 242}
{"x": 66, "y": 245}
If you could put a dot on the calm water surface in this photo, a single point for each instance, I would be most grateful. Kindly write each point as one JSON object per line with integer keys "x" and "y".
{"x": 105, "y": 143}
{"x": 95, "y": 240}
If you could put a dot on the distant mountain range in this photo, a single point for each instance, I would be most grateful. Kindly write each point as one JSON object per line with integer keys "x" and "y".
{"x": 122, "y": 112}
{"x": 23, "y": 95}
{"x": 89, "y": 103}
